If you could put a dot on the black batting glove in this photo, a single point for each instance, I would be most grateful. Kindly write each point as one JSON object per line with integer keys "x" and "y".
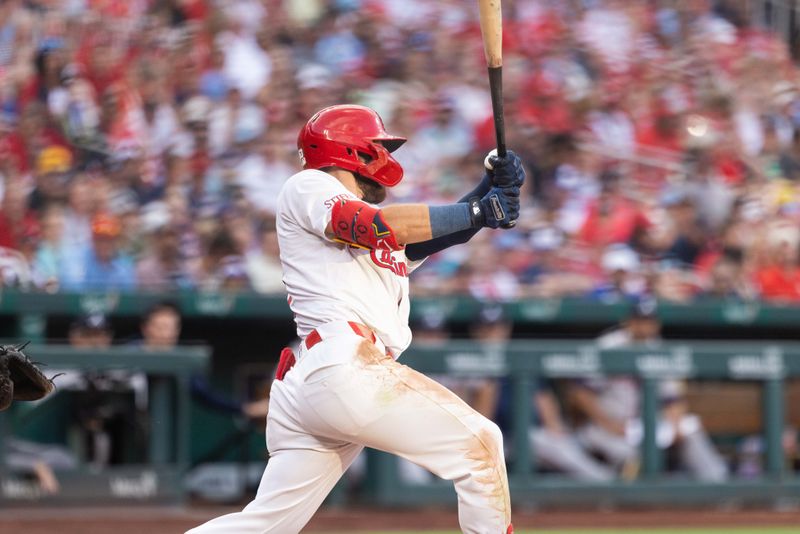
{"x": 499, "y": 207}
{"x": 506, "y": 171}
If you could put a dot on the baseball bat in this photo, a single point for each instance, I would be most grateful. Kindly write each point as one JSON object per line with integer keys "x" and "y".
{"x": 491, "y": 19}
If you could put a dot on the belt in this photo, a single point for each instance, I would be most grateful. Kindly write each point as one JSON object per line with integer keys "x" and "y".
{"x": 287, "y": 359}
{"x": 314, "y": 336}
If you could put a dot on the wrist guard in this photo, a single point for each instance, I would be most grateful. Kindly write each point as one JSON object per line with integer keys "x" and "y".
{"x": 476, "y": 215}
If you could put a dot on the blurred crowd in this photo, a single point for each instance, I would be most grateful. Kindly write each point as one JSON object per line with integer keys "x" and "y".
{"x": 143, "y": 143}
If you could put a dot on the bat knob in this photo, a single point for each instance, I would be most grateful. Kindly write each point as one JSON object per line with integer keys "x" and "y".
{"x": 509, "y": 225}
{"x": 487, "y": 160}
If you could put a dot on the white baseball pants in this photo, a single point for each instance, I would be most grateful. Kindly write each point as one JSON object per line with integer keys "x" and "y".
{"x": 345, "y": 394}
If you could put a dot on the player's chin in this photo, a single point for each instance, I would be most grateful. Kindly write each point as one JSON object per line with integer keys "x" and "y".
{"x": 374, "y": 193}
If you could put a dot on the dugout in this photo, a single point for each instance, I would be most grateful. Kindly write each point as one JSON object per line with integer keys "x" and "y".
{"x": 244, "y": 333}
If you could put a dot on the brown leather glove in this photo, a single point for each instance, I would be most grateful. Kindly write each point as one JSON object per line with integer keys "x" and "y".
{"x": 20, "y": 378}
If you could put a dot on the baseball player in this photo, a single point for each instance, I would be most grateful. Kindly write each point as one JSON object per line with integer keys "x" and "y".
{"x": 611, "y": 406}
{"x": 346, "y": 263}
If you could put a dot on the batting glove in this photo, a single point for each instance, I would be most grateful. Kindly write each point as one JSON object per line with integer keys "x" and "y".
{"x": 499, "y": 207}
{"x": 506, "y": 171}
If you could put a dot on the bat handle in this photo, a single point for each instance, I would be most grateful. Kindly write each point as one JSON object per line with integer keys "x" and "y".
{"x": 496, "y": 90}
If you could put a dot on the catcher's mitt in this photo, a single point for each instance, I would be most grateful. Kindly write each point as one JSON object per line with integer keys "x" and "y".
{"x": 20, "y": 379}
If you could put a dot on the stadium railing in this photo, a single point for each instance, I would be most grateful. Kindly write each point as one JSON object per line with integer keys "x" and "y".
{"x": 159, "y": 478}
{"x": 33, "y": 309}
{"x": 523, "y": 363}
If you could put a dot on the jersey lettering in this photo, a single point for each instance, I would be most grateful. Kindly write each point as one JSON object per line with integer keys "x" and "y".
{"x": 333, "y": 200}
{"x": 383, "y": 257}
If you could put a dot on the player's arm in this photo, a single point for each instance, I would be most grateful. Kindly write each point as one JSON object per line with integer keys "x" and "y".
{"x": 506, "y": 174}
{"x": 494, "y": 203}
{"x": 357, "y": 223}
{"x": 548, "y": 410}
{"x": 410, "y": 223}
{"x": 588, "y": 402}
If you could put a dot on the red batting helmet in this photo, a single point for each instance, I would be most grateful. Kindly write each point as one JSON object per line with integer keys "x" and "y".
{"x": 338, "y": 135}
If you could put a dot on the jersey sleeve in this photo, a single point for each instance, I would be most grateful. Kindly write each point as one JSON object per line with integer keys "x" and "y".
{"x": 308, "y": 198}
{"x": 413, "y": 265}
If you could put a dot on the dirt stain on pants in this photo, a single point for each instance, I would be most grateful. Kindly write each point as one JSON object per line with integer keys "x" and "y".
{"x": 484, "y": 448}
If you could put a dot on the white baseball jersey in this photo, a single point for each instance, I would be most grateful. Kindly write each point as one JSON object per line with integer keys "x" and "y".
{"x": 345, "y": 393}
{"x": 329, "y": 281}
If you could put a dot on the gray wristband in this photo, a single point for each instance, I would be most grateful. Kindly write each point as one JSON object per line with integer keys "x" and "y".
{"x": 450, "y": 219}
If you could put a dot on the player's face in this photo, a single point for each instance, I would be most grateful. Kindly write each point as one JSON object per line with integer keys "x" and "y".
{"x": 90, "y": 338}
{"x": 492, "y": 332}
{"x": 162, "y": 329}
{"x": 644, "y": 328}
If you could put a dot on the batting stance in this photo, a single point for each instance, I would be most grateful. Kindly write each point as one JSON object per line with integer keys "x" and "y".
{"x": 345, "y": 265}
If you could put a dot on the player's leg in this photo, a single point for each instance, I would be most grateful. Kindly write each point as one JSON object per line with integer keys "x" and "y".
{"x": 615, "y": 448}
{"x": 302, "y": 470}
{"x": 697, "y": 453}
{"x": 562, "y": 452}
{"x": 294, "y": 485}
{"x": 382, "y": 404}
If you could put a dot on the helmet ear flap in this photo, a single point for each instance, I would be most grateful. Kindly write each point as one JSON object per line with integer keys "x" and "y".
{"x": 383, "y": 168}
{"x": 378, "y": 162}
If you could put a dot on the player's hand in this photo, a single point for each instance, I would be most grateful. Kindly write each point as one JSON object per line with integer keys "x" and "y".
{"x": 506, "y": 171}
{"x": 499, "y": 207}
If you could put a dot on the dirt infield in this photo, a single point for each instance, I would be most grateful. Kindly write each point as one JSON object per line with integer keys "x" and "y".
{"x": 176, "y": 520}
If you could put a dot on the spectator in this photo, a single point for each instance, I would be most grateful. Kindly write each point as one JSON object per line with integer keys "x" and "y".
{"x": 52, "y": 174}
{"x": 247, "y": 65}
{"x": 688, "y": 104}
{"x": 52, "y": 251}
{"x": 790, "y": 159}
{"x": 105, "y": 266}
{"x": 728, "y": 278}
{"x": 14, "y": 214}
{"x": 622, "y": 267}
{"x": 74, "y": 105}
{"x": 223, "y": 266}
{"x": 223, "y": 119}
{"x": 164, "y": 265}
{"x": 614, "y": 218}
{"x": 78, "y": 216}
{"x": 262, "y": 177}
{"x": 611, "y": 125}
{"x": 687, "y": 234}
{"x": 263, "y": 264}
{"x": 779, "y": 277}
